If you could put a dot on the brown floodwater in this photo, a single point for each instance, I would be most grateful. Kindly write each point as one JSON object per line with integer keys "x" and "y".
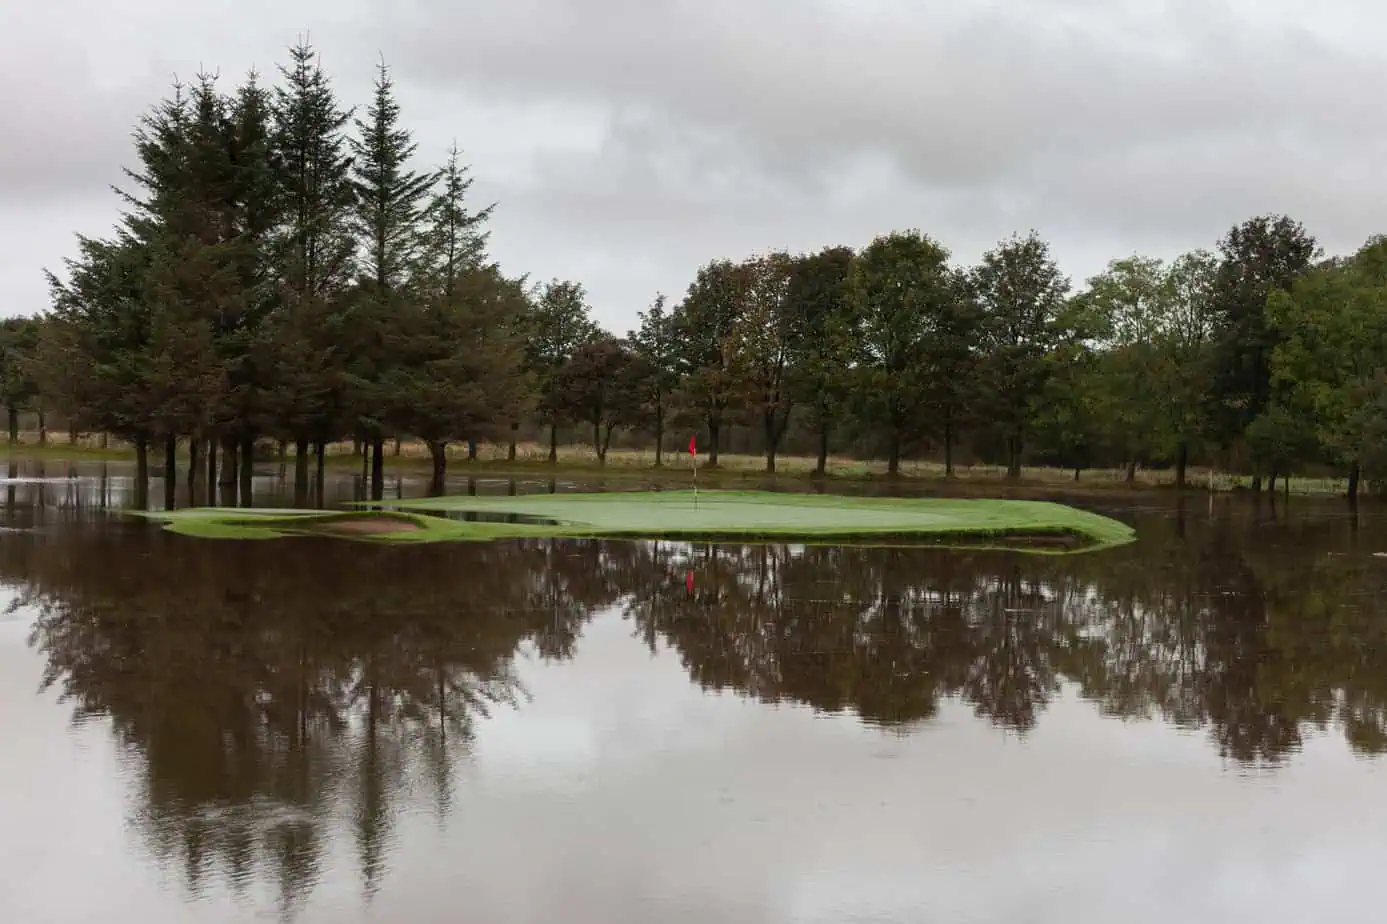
{"x": 1189, "y": 728}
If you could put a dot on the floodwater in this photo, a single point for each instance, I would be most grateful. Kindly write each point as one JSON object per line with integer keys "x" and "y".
{"x": 1190, "y": 728}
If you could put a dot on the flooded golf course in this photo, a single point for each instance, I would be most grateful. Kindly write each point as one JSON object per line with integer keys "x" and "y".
{"x": 1191, "y": 727}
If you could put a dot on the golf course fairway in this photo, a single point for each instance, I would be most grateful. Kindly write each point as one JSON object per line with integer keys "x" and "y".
{"x": 743, "y": 516}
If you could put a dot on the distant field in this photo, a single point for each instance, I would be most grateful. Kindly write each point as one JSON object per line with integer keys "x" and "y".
{"x": 576, "y": 460}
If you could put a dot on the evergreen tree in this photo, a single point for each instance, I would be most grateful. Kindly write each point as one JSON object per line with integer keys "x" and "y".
{"x": 455, "y": 239}
{"x": 315, "y": 253}
{"x": 390, "y": 202}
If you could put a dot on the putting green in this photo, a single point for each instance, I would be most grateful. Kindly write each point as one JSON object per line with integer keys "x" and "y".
{"x": 733, "y": 515}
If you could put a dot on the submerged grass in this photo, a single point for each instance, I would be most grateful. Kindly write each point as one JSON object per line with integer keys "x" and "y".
{"x": 743, "y": 516}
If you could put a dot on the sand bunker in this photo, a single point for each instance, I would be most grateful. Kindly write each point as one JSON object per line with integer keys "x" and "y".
{"x": 364, "y": 526}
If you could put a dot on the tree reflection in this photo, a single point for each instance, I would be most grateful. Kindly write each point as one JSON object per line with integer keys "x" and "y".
{"x": 1256, "y": 633}
{"x": 275, "y": 692}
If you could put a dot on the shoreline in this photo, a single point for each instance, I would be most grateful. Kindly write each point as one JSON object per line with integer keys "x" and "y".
{"x": 736, "y": 469}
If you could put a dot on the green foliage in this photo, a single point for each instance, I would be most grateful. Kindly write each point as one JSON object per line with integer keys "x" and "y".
{"x": 560, "y": 322}
{"x": 456, "y": 360}
{"x": 1261, "y": 256}
{"x": 902, "y": 285}
{"x": 597, "y": 386}
{"x": 275, "y": 275}
{"x": 1331, "y": 331}
{"x": 1022, "y": 294}
{"x": 708, "y": 329}
{"x": 767, "y": 335}
{"x": 828, "y": 330}
{"x": 655, "y": 373}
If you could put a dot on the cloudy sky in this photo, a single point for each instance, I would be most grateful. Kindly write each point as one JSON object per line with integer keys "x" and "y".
{"x": 628, "y": 142}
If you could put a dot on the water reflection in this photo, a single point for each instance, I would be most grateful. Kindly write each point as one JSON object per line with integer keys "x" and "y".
{"x": 274, "y": 703}
{"x": 279, "y": 701}
{"x": 1256, "y": 638}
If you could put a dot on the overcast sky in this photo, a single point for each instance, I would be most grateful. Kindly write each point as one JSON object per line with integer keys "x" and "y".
{"x": 628, "y": 142}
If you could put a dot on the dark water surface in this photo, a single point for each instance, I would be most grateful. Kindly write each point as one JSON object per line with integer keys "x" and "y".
{"x": 1190, "y": 728}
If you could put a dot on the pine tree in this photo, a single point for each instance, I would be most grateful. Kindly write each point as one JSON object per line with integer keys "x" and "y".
{"x": 390, "y": 201}
{"x": 455, "y": 241}
{"x": 316, "y": 254}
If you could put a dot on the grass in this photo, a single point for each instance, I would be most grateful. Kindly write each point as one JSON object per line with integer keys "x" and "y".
{"x": 715, "y": 515}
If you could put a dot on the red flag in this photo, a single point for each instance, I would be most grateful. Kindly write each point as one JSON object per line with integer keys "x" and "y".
{"x": 693, "y": 445}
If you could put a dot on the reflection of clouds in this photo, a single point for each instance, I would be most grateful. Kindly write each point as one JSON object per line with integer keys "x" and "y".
{"x": 781, "y": 815}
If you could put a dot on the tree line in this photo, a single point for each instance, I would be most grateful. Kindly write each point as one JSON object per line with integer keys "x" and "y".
{"x": 283, "y": 270}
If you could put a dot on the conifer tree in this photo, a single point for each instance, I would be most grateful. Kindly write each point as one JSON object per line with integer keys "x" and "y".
{"x": 390, "y": 201}
{"x": 315, "y": 254}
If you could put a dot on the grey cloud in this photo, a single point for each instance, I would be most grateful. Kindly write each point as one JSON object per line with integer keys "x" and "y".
{"x": 627, "y": 143}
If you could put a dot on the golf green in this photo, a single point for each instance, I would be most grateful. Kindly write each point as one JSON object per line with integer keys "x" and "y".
{"x": 731, "y": 515}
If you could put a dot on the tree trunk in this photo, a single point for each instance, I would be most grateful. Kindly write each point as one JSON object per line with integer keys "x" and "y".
{"x": 212, "y": 472}
{"x": 597, "y": 445}
{"x": 378, "y": 468}
{"x": 170, "y": 472}
{"x": 194, "y": 467}
{"x": 471, "y": 450}
{"x": 1014, "y": 457}
{"x": 320, "y": 460}
{"x": 893, "y": 458}
{"x": 247, "y": 473}
{"x": 714, "y": 431}
{"x": 14, "y": 424}
{"x": 821, "y": 463}
{"x": 660, "y": 435}
{"x": 1271, "y": 483}
{"x": 281, "y": 450}
{"x": 105, "y": 440}
{"x": 510, "y": 453}
{"x": 397, "y": 447}
{"x": 948, "y": 447}
{"x": 229, "y": 470}
{"x": 772, "y": 441}
{"x": 1077, "y": 470}
{"x": 607, "y": 440}
{"x": 43, "y": 428}
{"x": 1256, "y": 484}
{"x": 300, "y": 469}
{"x": 1355, "y": 473}
{"x": 1131, "y": 473}
{"x": 554, "y": 442}
{"x": 73, "y": 437}
{"x": 438, "y": 452}
{"x": 141, "y": 472}
{"x": 1182, "y": 462}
